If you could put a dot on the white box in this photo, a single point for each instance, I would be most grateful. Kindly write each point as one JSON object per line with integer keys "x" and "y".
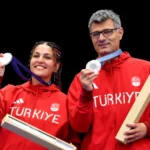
{"x": 34, "y": 134}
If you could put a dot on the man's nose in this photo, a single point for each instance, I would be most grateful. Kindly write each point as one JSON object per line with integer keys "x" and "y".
{"x": 101, "y": 37}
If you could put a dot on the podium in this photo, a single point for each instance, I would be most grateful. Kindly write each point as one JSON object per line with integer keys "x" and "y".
{"x": 34, "y": 134}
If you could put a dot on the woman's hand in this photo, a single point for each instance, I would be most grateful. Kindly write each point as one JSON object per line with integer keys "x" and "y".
{"x": 2, "y": 67}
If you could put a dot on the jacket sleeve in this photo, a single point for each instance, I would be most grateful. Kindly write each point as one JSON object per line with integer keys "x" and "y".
{"x": 2, "y": 106}
{"x": 80, "y": 105}
{"x": 148, "y": 128}
{"x": 74, "y": 138}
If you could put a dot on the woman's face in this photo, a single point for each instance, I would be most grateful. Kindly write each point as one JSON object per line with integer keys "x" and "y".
{"x": 43, "y": 62}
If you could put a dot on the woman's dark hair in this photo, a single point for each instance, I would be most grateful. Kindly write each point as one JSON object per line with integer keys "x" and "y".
{"x": 56, "y": 77}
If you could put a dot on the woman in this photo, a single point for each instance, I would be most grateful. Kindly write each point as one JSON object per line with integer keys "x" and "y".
{"x": 43, "y": 106}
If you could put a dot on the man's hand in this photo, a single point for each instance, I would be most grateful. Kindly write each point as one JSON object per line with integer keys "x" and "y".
{"x": 137, "y": 131}
{"x": 86, "y": 77}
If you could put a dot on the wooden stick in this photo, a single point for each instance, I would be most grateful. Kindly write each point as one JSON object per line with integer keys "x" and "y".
{"x": 136, "y": 110}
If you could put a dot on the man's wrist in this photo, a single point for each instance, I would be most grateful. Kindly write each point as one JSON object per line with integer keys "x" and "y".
{"x": 87, "y": 88}
{"x": 86, "y": 96}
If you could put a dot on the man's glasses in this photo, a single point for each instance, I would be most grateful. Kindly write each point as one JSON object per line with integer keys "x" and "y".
{"x": 106, "y": 33}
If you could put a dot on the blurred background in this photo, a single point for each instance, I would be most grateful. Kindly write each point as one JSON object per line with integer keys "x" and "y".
{"x": 24, "y": 23}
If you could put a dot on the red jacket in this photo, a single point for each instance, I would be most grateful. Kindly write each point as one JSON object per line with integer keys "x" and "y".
{"x": 100, "y": 113}
{"x": 44, "y": 107}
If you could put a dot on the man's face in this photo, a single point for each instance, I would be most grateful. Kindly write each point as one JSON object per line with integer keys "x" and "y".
{"x": 109, "y": 38}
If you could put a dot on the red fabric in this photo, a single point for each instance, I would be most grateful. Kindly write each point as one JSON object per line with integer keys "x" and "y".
{"x": 148, "y": 127}
{"x": 85, "y": 96}
{"x": 100, "y": 117}
{"x": 41, "y": 106}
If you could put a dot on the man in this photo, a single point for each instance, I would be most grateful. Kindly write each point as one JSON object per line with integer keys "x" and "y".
{"x": 99, "y": 101}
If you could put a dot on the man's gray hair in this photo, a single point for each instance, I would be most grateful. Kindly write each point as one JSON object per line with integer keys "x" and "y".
{"x": 102, "y": 15}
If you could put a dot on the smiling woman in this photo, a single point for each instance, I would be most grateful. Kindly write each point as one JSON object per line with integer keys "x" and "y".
{"x": 45, "y": 61}
{"x": 41, "y": 105}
